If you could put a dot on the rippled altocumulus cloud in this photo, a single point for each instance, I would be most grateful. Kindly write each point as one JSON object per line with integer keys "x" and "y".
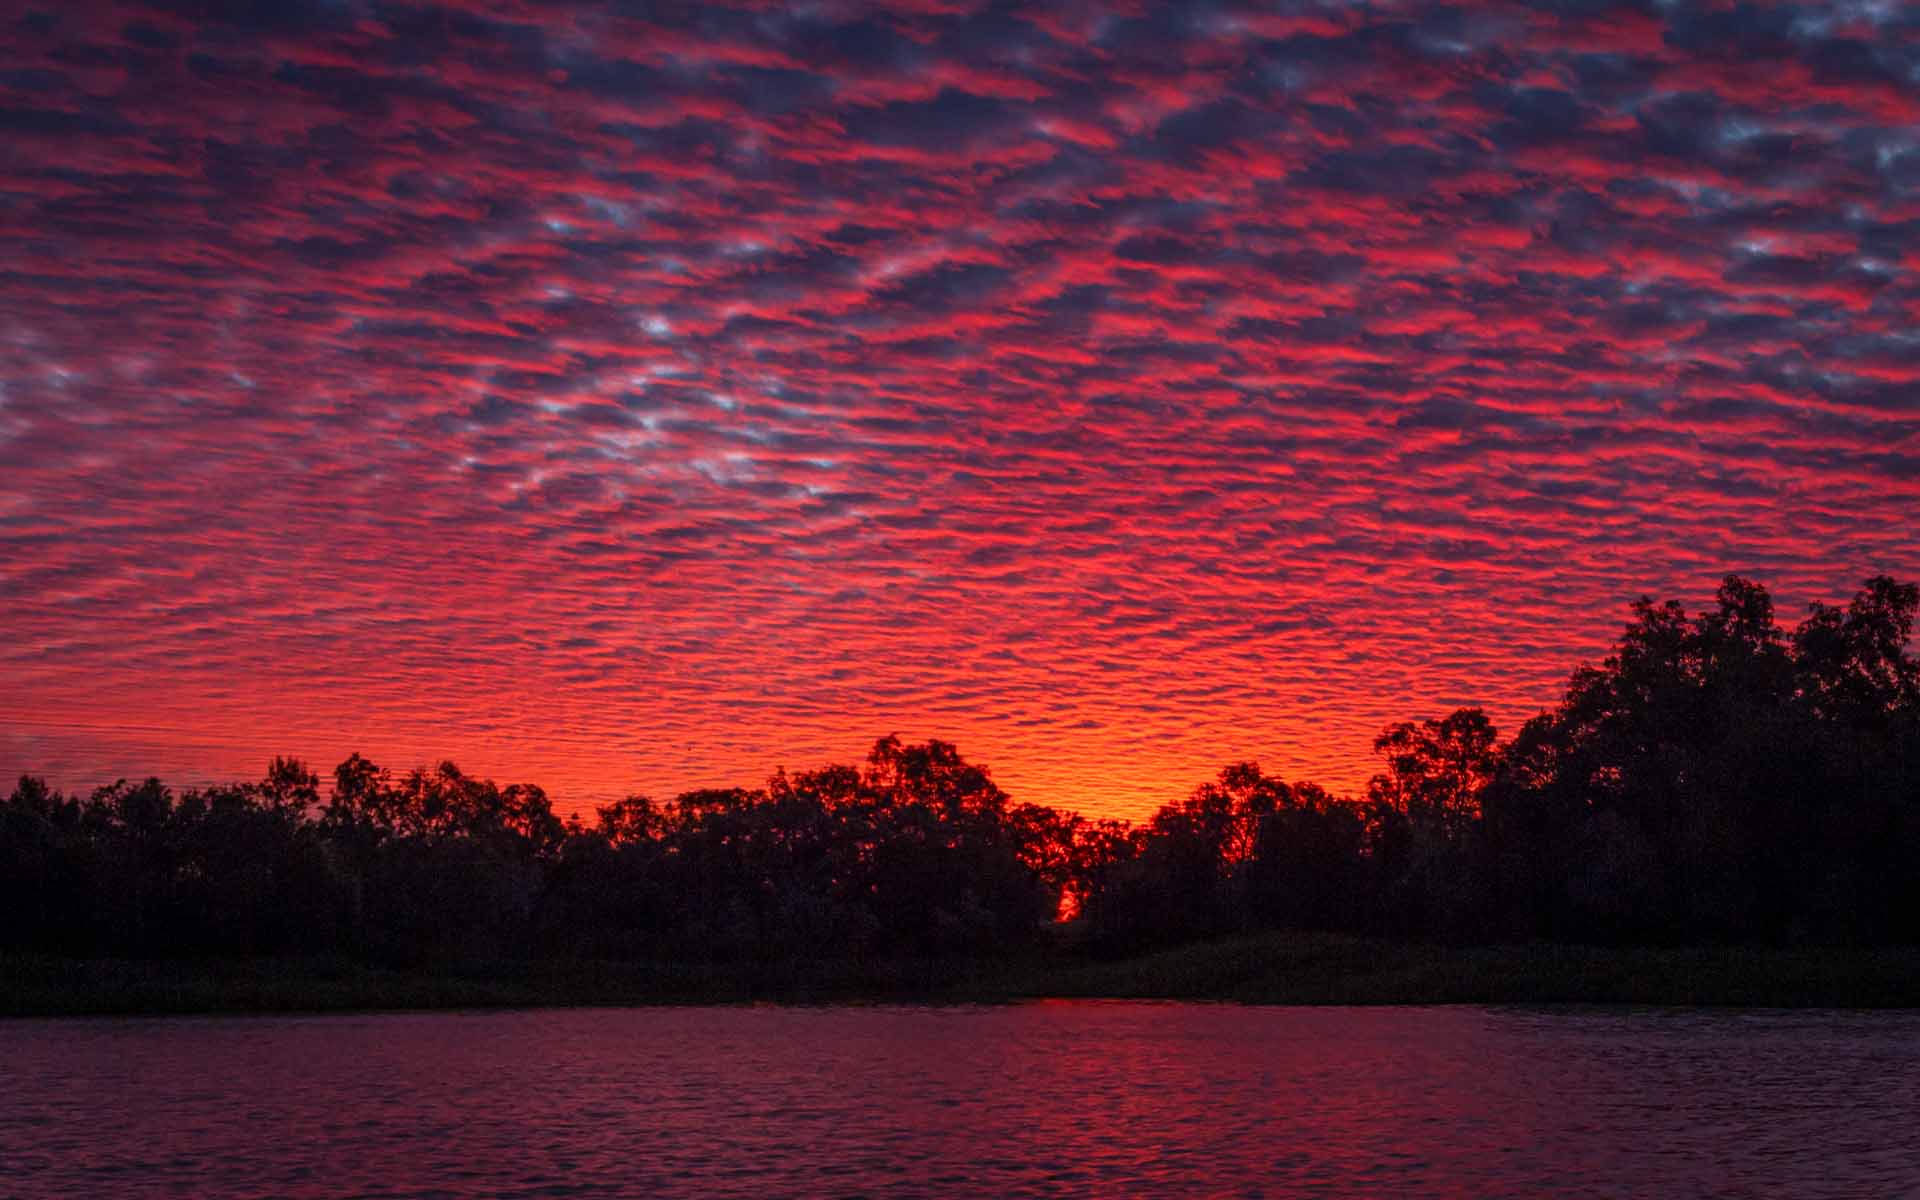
{"x": 620, "y": 403}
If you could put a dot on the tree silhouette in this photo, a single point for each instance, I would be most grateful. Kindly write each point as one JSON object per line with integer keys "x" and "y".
{"x": 1714, "y": 778}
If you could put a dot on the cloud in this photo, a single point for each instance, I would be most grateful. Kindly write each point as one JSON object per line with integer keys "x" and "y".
{"x": 639, "y": 403}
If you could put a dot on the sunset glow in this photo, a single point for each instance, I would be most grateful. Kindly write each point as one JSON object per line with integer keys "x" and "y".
{"x": 622, "y": 405}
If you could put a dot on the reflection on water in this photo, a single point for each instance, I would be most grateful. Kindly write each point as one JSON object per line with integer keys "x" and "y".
{"x": 1045, "y": 1099}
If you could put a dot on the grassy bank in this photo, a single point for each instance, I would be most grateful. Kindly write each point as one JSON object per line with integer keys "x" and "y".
{"x": 1283, "y": 968}
{"x": 1274, "y": 968}
{"x": 41, "y": 986}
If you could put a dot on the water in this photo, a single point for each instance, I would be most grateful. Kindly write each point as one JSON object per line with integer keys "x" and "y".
{"x": 1034, "y": 1100}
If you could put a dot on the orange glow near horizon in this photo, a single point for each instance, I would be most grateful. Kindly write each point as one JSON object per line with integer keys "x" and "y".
{"x": 1044, "y": 735}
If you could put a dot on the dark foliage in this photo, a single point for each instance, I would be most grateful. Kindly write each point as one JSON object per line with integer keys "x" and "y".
{"x": 1715, "y": 779}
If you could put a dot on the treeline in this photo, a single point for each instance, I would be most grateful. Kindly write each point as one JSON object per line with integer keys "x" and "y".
{"x": 1715, "y": 779}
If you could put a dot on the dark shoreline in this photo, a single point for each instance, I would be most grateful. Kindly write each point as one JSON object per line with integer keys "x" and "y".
{"x": 1257, "y": 969}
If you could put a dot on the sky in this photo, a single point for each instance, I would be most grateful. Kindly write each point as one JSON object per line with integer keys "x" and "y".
{"x": 623, "y": 399}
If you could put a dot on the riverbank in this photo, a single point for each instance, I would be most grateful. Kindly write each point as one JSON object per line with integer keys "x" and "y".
{"x": 1276, "y": 968}
{"x": 99, "y": 987}
{"x": 1309, "y": 969}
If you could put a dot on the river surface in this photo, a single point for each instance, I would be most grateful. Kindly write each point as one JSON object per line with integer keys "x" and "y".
{"x": 1051, "y": 1099}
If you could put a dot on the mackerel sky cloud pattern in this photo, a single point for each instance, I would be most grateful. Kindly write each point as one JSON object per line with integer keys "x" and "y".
{"x": 634, "y": 399}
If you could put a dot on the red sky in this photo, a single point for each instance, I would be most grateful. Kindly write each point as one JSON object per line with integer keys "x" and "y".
{"x": 1118, "y": 392}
